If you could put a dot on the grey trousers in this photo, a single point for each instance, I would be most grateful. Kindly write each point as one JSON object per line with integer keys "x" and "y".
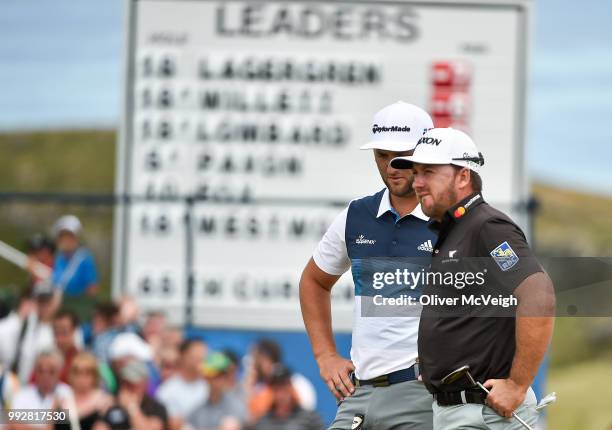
{"x": 403, "y": 406}
{"x": 481, "y": 417}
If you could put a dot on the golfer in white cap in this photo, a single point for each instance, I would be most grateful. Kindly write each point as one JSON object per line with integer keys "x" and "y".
{"x": 502, "y": 347}
{"x": 378, "y": 387}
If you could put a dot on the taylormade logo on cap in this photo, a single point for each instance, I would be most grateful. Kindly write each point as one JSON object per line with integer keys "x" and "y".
{"x": 377, "y": 129}
{"x": 398, "y": 127}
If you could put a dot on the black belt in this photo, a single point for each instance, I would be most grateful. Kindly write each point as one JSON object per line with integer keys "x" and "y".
{"x": 388, "y": 379}
{"x": 452, "y": 398}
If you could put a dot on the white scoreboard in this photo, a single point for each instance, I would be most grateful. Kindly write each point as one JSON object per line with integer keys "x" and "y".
{"x": 241, "y": 130}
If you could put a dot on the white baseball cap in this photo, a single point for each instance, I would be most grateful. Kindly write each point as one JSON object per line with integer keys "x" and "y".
{"x": 443, "y": 146}
{"x": 129, "y": 344}
{"x": 68, "y": 223}
{"x": 398, "y": 127}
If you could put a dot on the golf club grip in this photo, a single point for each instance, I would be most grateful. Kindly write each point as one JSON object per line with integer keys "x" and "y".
{"x": 483, "y": 388}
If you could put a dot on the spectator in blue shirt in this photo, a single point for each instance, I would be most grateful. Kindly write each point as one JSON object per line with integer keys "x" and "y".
{"x": 74, "y": 270}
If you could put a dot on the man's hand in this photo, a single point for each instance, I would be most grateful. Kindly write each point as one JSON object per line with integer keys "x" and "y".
{"x": 315, "y": 288}
{"x": 26, "y": 307}
{"x": 335, "y": 372}
{"x": 505, "y": 395}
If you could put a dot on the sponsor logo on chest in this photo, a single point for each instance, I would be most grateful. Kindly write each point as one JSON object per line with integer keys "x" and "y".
{"x": 426, "y": 246}
{"x": 362, "y": 240}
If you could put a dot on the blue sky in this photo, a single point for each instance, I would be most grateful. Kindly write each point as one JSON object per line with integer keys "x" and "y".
{"x": 570, "y": 98}
{"x": 71, "y": 50}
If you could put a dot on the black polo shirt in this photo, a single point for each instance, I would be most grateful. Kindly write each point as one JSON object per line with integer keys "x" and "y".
{"x": 473, "y": 238}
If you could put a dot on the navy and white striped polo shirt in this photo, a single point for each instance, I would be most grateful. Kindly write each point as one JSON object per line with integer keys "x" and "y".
{"x": 369, "y": 235}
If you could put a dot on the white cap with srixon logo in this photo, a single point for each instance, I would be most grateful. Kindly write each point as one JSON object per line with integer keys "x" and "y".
{"x": 443, "y": 146}
{"x": 398, "y": 127}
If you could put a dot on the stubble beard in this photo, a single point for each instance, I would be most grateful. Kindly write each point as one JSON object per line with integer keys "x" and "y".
{"x": 440, "y": 205}
{"x": 405, "y": 191}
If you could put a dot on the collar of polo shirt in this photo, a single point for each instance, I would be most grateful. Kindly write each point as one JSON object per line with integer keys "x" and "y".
{"x": 459, "y": 210}
{"x": 385, "y": 206}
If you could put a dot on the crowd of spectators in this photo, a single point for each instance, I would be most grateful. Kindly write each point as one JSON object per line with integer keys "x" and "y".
{"x": 123, "y": 370}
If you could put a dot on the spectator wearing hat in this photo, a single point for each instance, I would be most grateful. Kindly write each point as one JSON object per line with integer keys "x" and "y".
{"x": 286, "y": 412}
{"x": 184, "y": 392}
{"x": 222, "y": 410}
{"x": 127, "y": 347}
{"x": 134, "y": 408}
{"x": 74, "y": 271}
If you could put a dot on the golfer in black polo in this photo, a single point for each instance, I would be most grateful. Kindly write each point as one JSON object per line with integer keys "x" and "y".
{"x": 503, "y": 345}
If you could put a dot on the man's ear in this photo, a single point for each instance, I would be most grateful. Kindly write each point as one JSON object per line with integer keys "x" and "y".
{"x": 463, "y": 178}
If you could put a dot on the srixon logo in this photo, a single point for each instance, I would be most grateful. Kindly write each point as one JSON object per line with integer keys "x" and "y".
{"x": 429, "y": 141}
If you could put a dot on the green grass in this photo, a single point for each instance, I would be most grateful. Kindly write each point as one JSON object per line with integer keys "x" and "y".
{"x": 573, "y": 223}
{"x": 583, "y": 396}
{"x": 76, "y": 161}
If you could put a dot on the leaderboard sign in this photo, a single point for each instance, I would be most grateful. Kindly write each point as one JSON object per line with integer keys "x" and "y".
{"x": 241, "y": 131}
